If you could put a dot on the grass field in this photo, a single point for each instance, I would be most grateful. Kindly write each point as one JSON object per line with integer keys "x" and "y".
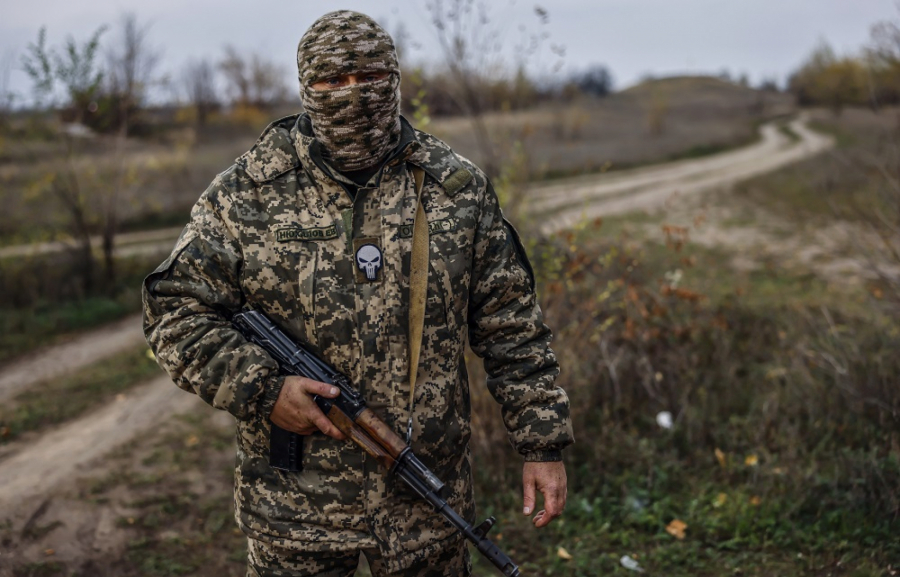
{"x": 164, "y": 175}
{"x": 44, "y": 302}
{"x": 51, "y": 403}
{"x": 657, "y": 120}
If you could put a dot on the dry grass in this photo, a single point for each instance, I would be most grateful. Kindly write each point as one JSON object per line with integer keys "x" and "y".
{"x": 654, "y": 121}
{"x": 785, "y": 419}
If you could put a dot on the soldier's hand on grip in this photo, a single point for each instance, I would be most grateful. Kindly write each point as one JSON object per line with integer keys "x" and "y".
{"x": 296, "y": 411}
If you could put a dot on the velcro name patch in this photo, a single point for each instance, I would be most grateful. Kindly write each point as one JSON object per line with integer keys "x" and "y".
{"x": 291, "y": 233}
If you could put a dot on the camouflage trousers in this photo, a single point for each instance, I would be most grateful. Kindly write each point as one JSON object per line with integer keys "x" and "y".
{"x": 268, "y": 560}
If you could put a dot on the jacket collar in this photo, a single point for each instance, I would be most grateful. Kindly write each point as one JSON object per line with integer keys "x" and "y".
{"x": 288, "y": 143}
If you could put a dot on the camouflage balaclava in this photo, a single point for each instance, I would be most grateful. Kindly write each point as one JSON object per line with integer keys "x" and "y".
{"x": 357, "y": 125}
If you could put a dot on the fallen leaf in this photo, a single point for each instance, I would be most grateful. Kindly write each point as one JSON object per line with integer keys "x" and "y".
{"x": 4, "y": 432}
{"x": 676, "y": 528}
{"x": 130, "y": 520}
{"x": 49, "y": 552}
{"x": 563, "y": 554}
{"x": 751, "y": 460}
{"x": 755, "y": 501}
{"x": 720, "y": 457}
{"x": 776, "y": 373}
{"x": 721, "y": 499}
{"x": 191, "y": 441}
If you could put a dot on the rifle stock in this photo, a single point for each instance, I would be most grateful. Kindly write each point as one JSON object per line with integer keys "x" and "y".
{"x": 349, "y": 413}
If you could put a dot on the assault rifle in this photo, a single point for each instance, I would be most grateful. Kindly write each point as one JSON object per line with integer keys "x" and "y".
{"x": 349, "y": 413}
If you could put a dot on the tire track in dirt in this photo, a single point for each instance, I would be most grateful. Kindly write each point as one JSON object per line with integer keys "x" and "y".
{"x": 29, "y": 471}
{"x": 83, "y": 350}
{"x": 565, "y": 204}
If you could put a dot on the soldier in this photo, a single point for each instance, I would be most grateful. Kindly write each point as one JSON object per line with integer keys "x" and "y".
{"x": 313, "y": 227}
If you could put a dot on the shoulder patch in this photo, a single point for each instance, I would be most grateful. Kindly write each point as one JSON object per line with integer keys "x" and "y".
{"x": 457, "y": 180}
{"x": 271, "y": 156}
{"x": 441, "y": 163}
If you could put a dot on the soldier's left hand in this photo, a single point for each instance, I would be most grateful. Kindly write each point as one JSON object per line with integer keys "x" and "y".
{"x": 550, "y": 479}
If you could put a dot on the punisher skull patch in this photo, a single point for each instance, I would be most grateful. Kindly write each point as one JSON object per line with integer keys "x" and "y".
{"x": 369, "y": 260}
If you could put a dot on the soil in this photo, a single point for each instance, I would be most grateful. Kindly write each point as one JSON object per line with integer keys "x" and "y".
{"x": 81, "y": 351}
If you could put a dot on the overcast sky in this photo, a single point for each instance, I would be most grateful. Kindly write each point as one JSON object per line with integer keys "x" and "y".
{"x": 763, "y": 38}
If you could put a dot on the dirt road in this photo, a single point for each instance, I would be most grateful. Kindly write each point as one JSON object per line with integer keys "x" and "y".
{"x": 27, "y": 472}
{"x": 564, "y": 204}
{"x": 81, "y": 351}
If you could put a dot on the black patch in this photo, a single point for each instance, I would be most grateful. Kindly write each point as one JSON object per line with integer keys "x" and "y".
{"x": 368, "y": 258}
{"x": 291, "y": 233}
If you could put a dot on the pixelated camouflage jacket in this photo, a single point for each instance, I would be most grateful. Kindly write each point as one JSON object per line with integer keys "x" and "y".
{"x": 279, "y": 232}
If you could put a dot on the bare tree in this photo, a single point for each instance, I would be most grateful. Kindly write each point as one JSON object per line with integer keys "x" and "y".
{"x": 253, "y": 80}
{"x": 131, "y": 64}
{"x": 268, "y": 86}
{"x": 476, "y": 47}
{"x": 7, "y": 96}
{"x": 237, "y": 76}
{"x": 885, "y": 43}
{"x": 76, "y": 69}
{"x": 198, "y": 84}
{"x": 882, "y": 57}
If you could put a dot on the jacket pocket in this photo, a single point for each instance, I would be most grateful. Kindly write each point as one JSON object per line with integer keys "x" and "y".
{"x": 279, "y": 279}
{"x": 305, "y": 271}
{"x": 437, "y": 311}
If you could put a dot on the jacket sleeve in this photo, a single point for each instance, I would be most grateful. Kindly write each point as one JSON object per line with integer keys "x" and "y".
{"x": 188, "y": 301}
{"x": 506, "y": 329}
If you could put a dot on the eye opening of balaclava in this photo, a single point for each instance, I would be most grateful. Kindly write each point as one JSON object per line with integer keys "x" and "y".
{"x": 357, "y": 125}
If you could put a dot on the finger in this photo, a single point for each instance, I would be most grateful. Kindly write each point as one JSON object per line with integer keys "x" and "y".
{"x": 553, "y": 500}
{"x": 543, "y": 519}
{"x": 327, "y": 427}
{"x": 305, "y": 429}
{"x": 317, "y": 388}
{"x": 528, "y": 494}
